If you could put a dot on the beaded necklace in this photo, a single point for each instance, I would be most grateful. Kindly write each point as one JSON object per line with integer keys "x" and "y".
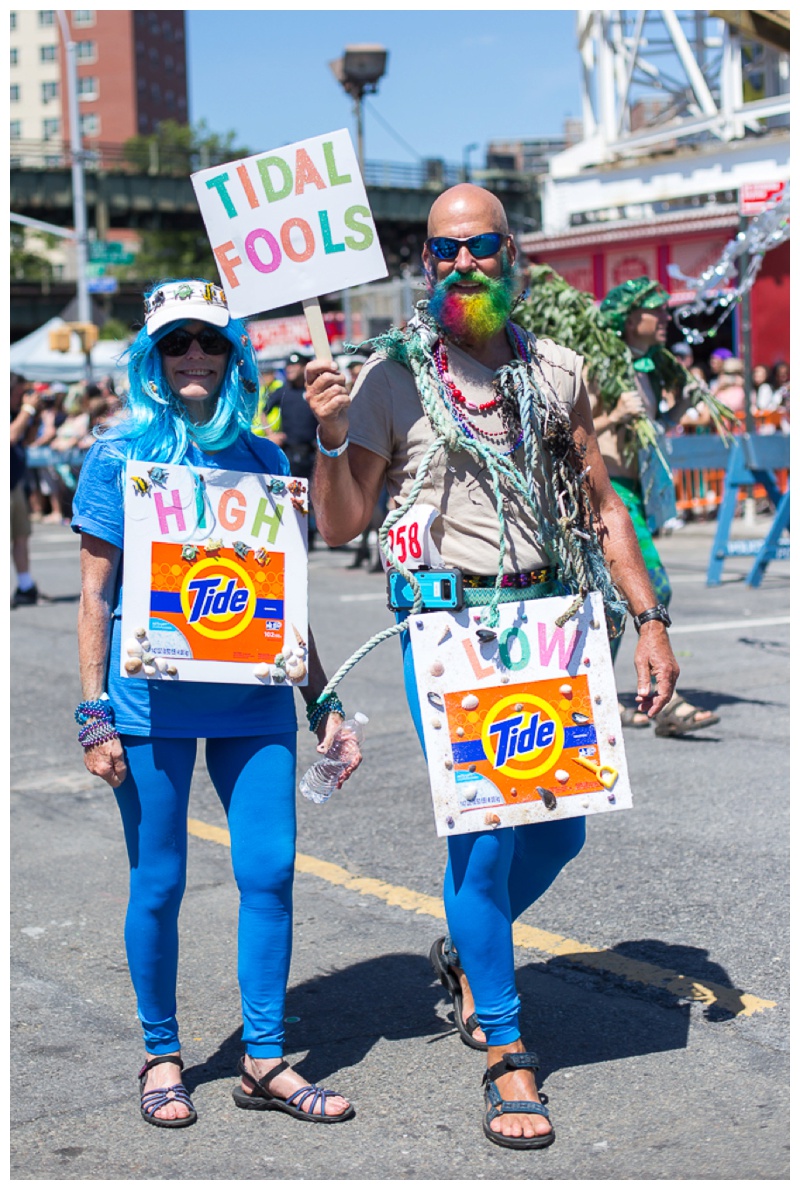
{"x": 454, "y": 392}
{"x": 453, "y": 395}
{"x": 472, "y": 430}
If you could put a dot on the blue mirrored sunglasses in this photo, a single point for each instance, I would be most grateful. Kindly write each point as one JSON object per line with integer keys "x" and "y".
{"x": 488, "y": 243}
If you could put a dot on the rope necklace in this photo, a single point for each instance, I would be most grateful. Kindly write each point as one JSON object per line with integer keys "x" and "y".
{"x": 551, "y": 479}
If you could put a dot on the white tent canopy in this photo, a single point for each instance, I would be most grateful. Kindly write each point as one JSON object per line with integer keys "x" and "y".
{"x": 32, "y": 358}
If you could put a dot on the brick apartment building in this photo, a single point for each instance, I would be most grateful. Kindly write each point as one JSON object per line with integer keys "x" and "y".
{"x": 131, "y": 74}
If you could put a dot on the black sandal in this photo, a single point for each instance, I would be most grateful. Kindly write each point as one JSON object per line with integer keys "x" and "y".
{"x": 449, "y": 981}
{"x": 497, "y": 1106}
{"x": 296, "y": 1105}
{"x": 152, "y": 1101}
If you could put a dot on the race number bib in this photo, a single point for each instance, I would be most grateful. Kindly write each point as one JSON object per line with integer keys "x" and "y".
{"x": 410, "y": 539}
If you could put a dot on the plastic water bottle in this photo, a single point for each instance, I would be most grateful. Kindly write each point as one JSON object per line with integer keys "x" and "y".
{"x": 319, "y": 782}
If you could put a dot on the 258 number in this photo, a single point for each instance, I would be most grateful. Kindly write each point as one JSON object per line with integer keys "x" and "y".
{"x": 405, "y": 543}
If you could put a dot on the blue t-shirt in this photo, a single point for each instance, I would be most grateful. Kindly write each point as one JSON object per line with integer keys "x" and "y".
{"x": 202, "y": 710}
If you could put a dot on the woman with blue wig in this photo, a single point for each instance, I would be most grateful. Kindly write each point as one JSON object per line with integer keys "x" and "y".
{"x": 193, "y": 386}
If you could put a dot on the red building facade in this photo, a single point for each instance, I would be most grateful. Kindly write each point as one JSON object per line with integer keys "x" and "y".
{"x": 597, "y": 257}
{"x": 131, "y": 73}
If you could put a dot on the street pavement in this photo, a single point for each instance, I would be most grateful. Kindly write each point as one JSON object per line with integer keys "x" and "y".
{"x": 653, "y": 974}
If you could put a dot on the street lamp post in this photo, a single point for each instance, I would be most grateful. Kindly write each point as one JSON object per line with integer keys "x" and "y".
{"x": 359, "y": 70}
{"x": 467, "y": 150}
{"x": 78, "y": 190}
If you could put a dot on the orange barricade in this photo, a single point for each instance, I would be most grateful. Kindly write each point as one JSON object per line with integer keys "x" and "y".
{"x": 700, "y": 491}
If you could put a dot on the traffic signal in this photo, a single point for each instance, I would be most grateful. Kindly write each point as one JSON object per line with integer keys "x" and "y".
{"x": 59, "y": 338}
{"x": 86, "y": 332}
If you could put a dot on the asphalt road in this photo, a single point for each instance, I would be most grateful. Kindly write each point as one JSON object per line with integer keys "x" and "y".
{"x": 654, "y": 973}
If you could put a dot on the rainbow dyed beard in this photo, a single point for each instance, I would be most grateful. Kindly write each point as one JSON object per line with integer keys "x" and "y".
{"x": 474, "y": 317}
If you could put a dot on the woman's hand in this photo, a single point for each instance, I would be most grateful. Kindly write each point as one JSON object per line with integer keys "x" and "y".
{"x": 107, "y": 761}
{"x": 349, "y": 749}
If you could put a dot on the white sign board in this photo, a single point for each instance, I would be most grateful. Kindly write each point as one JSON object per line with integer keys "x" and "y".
{"x": 523, "y": 727}
{"x": 290, "y": 224}
{"x": 755, "y": 197}
{"x": 215, "y": 578}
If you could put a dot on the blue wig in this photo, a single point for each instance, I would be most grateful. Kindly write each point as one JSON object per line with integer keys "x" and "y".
{"x": 155, "y": 425}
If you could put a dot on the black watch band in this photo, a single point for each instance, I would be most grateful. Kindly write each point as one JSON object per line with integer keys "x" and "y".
{"x": 659, "y": 612}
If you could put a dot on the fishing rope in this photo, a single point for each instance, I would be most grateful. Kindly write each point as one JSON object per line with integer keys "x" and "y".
{"x": 553, "y": 479}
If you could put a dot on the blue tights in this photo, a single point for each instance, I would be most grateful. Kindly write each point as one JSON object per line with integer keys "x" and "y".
{"x": 491, "y": 878}
{"x": 255, "y": 782}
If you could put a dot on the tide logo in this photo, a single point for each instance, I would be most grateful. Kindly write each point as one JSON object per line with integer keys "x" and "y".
{"x": 524, "y": 742}
{"x": 218, "y": 598}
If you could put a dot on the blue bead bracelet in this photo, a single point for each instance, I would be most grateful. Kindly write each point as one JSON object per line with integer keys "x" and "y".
{"x": 322, "y": 707}
{"x": 94, "y": 708}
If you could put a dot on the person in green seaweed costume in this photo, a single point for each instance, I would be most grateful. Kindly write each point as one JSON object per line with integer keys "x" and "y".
{"x": 637, "y": 312}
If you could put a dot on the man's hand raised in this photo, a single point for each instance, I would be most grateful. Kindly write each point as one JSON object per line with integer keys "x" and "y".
{"x": 329, "y": 400}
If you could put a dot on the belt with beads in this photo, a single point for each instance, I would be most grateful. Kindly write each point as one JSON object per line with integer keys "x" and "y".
{"x": 519, "y": 581}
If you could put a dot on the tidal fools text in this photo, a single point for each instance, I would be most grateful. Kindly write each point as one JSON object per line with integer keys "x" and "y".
{"x": 272, "y": 179}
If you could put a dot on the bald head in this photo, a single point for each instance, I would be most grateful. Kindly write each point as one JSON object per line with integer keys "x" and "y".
{"x": 466, "y": 204}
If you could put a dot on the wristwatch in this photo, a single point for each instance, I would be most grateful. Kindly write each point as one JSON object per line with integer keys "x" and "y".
{"x": 659, "y": 612}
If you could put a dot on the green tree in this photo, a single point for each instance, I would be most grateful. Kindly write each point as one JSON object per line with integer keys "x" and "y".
{"x": 178, "y": 149}
{"x": 114, "y": 328}
{"x": 171, "y": 254}
{"x": 25, "y": 263}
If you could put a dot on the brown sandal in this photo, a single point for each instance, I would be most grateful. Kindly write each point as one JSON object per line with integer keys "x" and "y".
{"x": 632, "y": 717}
{"x": 668, "y": 723}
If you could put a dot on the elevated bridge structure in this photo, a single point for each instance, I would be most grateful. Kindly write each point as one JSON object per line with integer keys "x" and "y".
{"x": 158, "y": 195}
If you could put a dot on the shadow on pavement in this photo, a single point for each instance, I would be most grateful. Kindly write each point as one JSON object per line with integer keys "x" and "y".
{"x": 343, "y": 1013}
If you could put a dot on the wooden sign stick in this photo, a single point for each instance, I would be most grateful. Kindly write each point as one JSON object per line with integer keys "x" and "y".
{"x": 316, "y": 325}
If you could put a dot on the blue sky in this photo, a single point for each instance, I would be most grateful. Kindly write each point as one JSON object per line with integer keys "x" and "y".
{"x": 454, "y": 77}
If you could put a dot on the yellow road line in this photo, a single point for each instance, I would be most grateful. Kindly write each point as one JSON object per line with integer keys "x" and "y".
{"x": 734, "y": 1000}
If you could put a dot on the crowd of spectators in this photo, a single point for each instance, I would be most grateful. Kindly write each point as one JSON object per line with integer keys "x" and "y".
{"x": 769, "y": 390}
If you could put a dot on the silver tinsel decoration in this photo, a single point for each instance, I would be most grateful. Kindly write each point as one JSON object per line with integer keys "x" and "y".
{"x": 712, "y": 289}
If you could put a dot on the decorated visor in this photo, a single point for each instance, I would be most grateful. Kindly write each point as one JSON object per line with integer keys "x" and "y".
{"x": 175, "y": 301}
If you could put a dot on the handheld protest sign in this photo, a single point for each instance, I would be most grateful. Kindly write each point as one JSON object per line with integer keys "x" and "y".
{"x": 215, "y": 576}
{"x": 523, "y": 727}
{"x": 290, "y": 224}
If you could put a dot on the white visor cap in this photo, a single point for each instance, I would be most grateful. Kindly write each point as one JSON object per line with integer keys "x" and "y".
{"x": 176, "y": 301}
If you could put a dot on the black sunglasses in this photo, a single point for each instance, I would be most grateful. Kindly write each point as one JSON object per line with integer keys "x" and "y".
{"x": 488, "y": 243}
{"x": 178, "y": 342}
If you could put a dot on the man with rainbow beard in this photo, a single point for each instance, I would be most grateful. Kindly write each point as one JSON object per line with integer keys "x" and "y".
{"x": 464, "y": 373}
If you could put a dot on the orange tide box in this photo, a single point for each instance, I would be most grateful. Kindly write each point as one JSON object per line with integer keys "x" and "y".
{"x": 216, "y": 605}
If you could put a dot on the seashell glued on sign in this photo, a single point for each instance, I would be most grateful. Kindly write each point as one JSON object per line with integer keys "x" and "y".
{"x": 547, "y": 796}
{"x": 469, "y": 702}
{"x": 263, "y": 670}
{"x": 133, "y": 647}
{"x": 133, "y": 665}
{"x": 295, "y": 669}
{"x": 492, "y": 819}
{"x": 437, "y": 669}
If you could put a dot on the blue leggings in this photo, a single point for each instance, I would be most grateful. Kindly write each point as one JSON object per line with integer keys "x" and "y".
{"x": 491, "y": 878}
{"x": 255, "y": 782}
